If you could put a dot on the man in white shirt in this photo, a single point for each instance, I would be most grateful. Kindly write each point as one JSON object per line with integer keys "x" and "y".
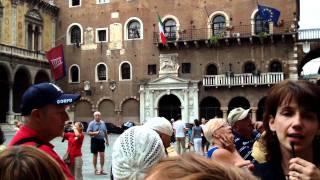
{"x": 180, "y": 133}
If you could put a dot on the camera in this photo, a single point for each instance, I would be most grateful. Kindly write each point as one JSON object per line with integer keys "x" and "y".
{"x": 67, "y": 128}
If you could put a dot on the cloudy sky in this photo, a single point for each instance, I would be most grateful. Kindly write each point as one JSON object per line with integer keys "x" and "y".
{"x": 309, "y": 18}
{"x": 309, "y": 14}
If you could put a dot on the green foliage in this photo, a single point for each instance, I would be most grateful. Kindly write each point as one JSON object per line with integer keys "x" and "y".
{"x": 262, "y": 35}
{"x": 214, "y": 39}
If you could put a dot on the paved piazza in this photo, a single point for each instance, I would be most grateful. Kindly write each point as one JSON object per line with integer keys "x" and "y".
{"x": 87, "y": 168}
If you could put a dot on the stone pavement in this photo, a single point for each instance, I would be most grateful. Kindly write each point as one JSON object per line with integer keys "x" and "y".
{"x": 87, "y": 169}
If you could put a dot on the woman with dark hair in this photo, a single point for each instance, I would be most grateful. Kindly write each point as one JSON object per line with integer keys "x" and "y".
{"x": 196, "y": 138}
{"x": 291, "y": 120}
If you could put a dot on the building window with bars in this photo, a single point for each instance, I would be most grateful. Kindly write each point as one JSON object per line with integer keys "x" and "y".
{"x": 125, "y": 71}
{"x": 152, "y": 69}
{"x": 101, "y": 35}
{"x": 102, "y": 72}
{"x": 134, "y": 30}
{"x": 186, "y": 68}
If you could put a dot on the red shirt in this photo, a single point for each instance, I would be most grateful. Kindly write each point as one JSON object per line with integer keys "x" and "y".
{"x": 26, "y": 132}
{"x": 74, "y": 145}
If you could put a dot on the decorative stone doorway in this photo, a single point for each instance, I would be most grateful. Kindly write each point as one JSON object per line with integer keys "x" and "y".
{"x": 169, "y": 107}
{"x": 171, "y": 89}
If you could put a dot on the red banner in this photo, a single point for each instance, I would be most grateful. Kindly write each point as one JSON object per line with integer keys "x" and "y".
{"x": 56, "y": 61}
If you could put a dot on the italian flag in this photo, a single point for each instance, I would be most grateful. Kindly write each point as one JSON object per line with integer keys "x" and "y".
{"x": 161, "y": 31}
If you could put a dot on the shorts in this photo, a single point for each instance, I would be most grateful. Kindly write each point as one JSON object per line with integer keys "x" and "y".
{"x": 97, "y": 145}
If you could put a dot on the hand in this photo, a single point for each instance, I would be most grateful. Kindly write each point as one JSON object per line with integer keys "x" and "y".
{"x": 259, "y": 126}
{"x": 227, "y": 141}
{"x": 245, "y": 164}
{"x": 107, "y": 143}
{"x": 302, "y": 169}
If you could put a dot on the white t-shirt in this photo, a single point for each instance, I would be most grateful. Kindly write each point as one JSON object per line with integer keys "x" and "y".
{"x": 179, "y": 126}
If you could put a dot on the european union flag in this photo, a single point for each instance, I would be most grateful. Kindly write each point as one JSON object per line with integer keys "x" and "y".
{"x": 269, "y": 14}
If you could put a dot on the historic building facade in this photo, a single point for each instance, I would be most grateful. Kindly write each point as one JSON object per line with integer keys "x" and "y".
{"x": 27, "y": 30}
{"x": 218, "y": 55}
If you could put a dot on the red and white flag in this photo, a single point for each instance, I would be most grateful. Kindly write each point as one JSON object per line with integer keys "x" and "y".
{"x": 56, "y": 61}
{"x": 161, "y": 31}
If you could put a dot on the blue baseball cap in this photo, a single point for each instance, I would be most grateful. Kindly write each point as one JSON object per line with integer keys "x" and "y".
{"x": 40, "y": 95}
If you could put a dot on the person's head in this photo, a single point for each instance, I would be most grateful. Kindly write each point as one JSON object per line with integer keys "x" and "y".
{"x": 2, "y": 138}
{"x": 216, "y": 127}
{"x": 291, "y": 116}
{"x": 196, "y": 122}
{"x": 190, "y": 166}
{"x": 203, "y": 121}
{"x": 79, "y": 126}
{"x": 135, "y": 151}
{"x": 17, "y": 123}
{"x": 44, "y": 106}
{"x": 240, "y": 121}
{"x": 97, "y": 116}
{"x": 27, "y": 162}
{"x": 163, "y": 128}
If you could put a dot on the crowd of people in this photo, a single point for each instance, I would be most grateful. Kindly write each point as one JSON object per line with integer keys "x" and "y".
{"x": 284, "y": 146}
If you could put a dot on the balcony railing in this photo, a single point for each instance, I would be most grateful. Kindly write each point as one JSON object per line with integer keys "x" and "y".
{"x": 308, "y": 34}
{"x": 22, "y": 53}
{"x": 241, "y": 31}
{"x": 242, "y": 79}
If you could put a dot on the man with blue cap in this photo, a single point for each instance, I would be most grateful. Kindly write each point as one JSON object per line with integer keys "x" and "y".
{"x": 44, "y": 109}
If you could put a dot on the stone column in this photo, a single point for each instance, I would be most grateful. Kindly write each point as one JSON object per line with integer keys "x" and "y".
{"x": 151, "y": 103}
{"x": 293, "y": 64}
{"x": 254, "y": 114}
{"x": 224, "y": 112}
{"x": 142, "y": 104}
{"x": 186, "y": 105}
{"x": 40, "y": 39}
{"x": 10, "y": 114}
{"x": 32, "y": 38}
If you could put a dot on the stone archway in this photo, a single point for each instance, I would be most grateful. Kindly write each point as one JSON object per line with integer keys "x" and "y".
{"x": 4, "y": 93}
{"x": 260, "y": 110}
{"x": 41, "y": 77}
{"x": 210, "y": 108}
{"x": 238, "y": 102}
{"x": 130, "y": 111}
{"x": 83, "y": 111}
{"x": 313, "y": 54}
{"x": 107, "y": 109}
{"x": 169, "y": 106}
{"x": 21, "y": 83}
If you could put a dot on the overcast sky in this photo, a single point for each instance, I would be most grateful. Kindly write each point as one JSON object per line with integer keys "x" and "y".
{"x": 309, "y": 18}
{"x": 309, "y": 14}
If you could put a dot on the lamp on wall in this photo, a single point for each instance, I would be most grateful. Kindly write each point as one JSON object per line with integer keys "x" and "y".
{"x": 87, "y": 88}
{"x": 112, "y": 85}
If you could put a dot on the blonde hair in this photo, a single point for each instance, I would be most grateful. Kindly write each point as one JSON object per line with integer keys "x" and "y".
{"x": 20, "y": 162}
{"x": 211, "y": 126}
{"x": 190, "y": 166}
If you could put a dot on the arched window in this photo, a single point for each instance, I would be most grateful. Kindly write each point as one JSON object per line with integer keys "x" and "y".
{"x": 212, "y": 70}
{"x": 218, "y": 25}
{"x": 34, "y": 24}
{"x": 249, "y": 67}
{"x": 75, "y": 34}
{"x": 134, "y": 30}
{"x": 125, "y": 71}
{"x": 260, "y": 26}
{"x": 102, "y": 72}
{"x": 74, "y": 73}
{"x": 275, "y": 66}
{"x": 170, "y": 28}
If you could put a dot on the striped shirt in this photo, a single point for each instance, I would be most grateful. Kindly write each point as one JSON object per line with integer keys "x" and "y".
{"x": 244, "y": 146}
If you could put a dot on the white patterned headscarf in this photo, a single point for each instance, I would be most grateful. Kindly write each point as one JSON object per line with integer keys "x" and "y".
{"x": 135, "y": 152}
